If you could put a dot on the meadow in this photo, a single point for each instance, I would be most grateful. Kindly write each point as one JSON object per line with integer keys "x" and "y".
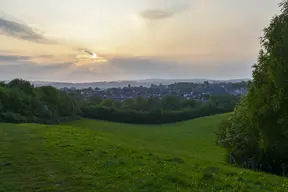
{"x": 89, "y": 155}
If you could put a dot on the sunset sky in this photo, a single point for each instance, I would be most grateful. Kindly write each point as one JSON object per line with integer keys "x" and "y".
{"x": 95, "y": 40}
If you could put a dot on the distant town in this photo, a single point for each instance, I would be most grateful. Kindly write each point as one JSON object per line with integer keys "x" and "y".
{"x": 188, "y": 90}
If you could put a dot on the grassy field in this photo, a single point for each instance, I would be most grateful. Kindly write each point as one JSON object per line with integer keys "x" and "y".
{"x": 88, "y": 155}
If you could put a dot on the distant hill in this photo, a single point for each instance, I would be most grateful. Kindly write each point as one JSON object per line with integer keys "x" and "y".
{"x": 171, "y": 81}
{"x": 144, "y": 83}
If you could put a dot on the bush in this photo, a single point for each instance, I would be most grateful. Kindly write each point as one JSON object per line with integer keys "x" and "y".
{"x": 221, "y": 133}
{"x": 146, "y": 117}
{"x": 13, "y": 117}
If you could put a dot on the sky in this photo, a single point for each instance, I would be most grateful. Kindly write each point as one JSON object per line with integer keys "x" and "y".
{"x": 105, "y": 40}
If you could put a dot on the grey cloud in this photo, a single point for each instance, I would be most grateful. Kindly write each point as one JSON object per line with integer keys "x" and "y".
{"x": 89, "y": 52}
{"x": 156, "y": 14}
{"x": 125, "y": 68}
{"x": 165, "y": 13}
{"x": 142, "y": 65}
{"x": 19, "y": 63}
{"x": 32, "y": 71}
{"x": 45, "y": 56}
{"x": 10, "y": 57}
{"x": 58, "y": 66}
{"x": 32, "y": 67}
{"x": 13, "y": 58}
{"x": 21, "y": 31}
{"x": 159, "y": 68}
{"x": 145, "y": 67}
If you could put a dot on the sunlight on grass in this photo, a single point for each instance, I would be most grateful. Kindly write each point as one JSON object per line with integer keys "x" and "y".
{"x": 88, "y": 155}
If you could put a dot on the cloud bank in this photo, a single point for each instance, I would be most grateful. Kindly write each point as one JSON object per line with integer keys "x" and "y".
{"x": 8, "y": 58}
{"x": 117, "y": 68}
{"x": 21, "y": 31}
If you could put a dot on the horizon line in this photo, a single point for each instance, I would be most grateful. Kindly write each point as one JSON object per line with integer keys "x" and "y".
{"x": 135, "y": 80}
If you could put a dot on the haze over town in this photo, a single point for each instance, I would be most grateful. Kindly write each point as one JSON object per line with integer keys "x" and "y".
{"x": 97, "y": 40}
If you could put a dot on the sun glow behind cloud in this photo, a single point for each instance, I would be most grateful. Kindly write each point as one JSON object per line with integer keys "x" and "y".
{"x": 191, "y": 36}
{"x": 88, "y": 57}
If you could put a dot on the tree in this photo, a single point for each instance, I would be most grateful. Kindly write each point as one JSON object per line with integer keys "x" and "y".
{"x": 141, "y": 103}
{"x": 4, "y": 96}
{"x": 2, "y": 84}
{"x": 153, "y": 103}
{"x": 96, "y": 100}
{"x": 259, "y": 126}
{"x": 171, "y": 102}
{"x": 108, "y": 103}
{"x": 128, "y": 104}
{"x": 189, "y": 103}
{"x": 22, "y": 85}
{"x": 1, "y": 106}
{"x": 21, "y": 102}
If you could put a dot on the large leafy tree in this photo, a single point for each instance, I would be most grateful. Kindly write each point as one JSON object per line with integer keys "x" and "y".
{"x": 21, "y": 102}
{"x": 259, "y": 126}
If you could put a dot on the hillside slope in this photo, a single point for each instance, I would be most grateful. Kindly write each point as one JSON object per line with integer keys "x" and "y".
{"x": 89, "y": 155}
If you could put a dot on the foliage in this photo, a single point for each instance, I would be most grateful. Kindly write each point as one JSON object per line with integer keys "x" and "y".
{"x": 258, "y": 128}
{"x": 156, "y": 111}
{"x": 21, "y": 102}
{"x": 89, "y": 155}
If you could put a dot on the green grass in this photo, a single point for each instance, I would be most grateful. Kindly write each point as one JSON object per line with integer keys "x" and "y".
{"x": 88, "y": 155}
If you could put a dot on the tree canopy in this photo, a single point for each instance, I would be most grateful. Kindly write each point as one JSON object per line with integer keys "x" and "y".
{"x": 258, "y": 128}
{"x": 20, "y": 101}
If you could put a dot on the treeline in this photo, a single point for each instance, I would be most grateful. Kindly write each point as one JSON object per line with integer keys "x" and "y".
{"x": 154, "y": 110}
{"x": 257, "y": 131}
{"x": 22, "y": 102}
